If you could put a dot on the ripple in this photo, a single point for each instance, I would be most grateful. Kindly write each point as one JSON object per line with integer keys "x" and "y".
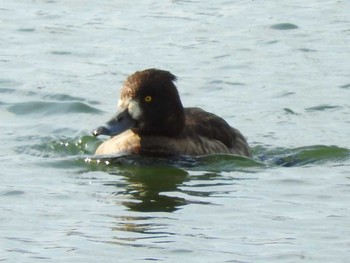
{"x": 26, "y": 30}
{"x": 284, "y": 26}
{"x": 285, "y": 94}
{"x": 8, "y": 83}
{"x": 7, "y": 87}
{"x": 272, "y": 42}
{"x": 226, "y": 162}
{"x": 347, "y": 86}
{"x": 314, "y": 154}
{"x": 216, "y": 82}
{"x": 51, "y": 108}
{"x": 307, "y": 50}
{"x": 322, "y": 108}
{"x": 7, "y": 90}
{"x": 218, "y": 163}
{"x": 49, "y": 147}
{"x": 61, "y": 53}
{"x": 66, "y": 97}
{"x": 289, "y": 111}
{"x": 13, "y": 193}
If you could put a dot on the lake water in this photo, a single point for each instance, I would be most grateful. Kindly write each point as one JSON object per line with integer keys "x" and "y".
{"x": 277, "y": 70}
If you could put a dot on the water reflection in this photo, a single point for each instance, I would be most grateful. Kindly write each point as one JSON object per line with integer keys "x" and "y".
{"x": 147, "y": 187}
{"x": 129, "y": 229}
{"x": 156, "y": 184}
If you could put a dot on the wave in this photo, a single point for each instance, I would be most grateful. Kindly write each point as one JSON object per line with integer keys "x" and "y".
{"x": 51, "y": 108}
{"x": 83, "y": 148}
{"x": 301, "y": 156}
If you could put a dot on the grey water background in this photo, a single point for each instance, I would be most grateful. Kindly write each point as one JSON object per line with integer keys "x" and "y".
{"x": 277, "y": 70}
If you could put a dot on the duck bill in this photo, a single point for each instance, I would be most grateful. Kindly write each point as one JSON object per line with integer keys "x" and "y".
{"x": 121, "y": 122}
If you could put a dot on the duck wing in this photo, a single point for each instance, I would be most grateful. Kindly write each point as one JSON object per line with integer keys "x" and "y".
{"x": 213, "y": 127}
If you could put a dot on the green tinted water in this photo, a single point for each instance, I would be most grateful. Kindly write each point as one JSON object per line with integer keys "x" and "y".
{"x": 277, "y": 71}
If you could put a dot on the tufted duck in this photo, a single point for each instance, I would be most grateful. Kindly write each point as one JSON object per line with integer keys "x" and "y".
{"x": 152, "y": 120}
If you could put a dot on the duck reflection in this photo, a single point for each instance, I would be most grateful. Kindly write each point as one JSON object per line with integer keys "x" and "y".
{"x": 150, "y": 186}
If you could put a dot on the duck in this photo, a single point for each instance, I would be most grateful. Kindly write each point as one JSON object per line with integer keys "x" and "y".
{"x": 151, "y": 120}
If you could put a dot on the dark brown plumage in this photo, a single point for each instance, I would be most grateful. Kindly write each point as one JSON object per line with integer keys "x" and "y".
{"x": 151, "y": 119}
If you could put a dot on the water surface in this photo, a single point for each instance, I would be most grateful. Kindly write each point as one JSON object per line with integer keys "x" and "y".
{"x": 277, "y": 71}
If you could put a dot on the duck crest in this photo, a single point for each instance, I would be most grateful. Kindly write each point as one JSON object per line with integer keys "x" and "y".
{"x": 155, "y": 78}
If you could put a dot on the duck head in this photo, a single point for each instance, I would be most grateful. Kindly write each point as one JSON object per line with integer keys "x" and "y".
{"x": 149, "y": 104}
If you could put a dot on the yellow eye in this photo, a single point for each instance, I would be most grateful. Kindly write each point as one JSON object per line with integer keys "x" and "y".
{"x": 148, "y": 98}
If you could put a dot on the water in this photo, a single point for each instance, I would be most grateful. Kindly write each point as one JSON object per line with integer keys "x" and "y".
{"x": 278, "y": 71}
